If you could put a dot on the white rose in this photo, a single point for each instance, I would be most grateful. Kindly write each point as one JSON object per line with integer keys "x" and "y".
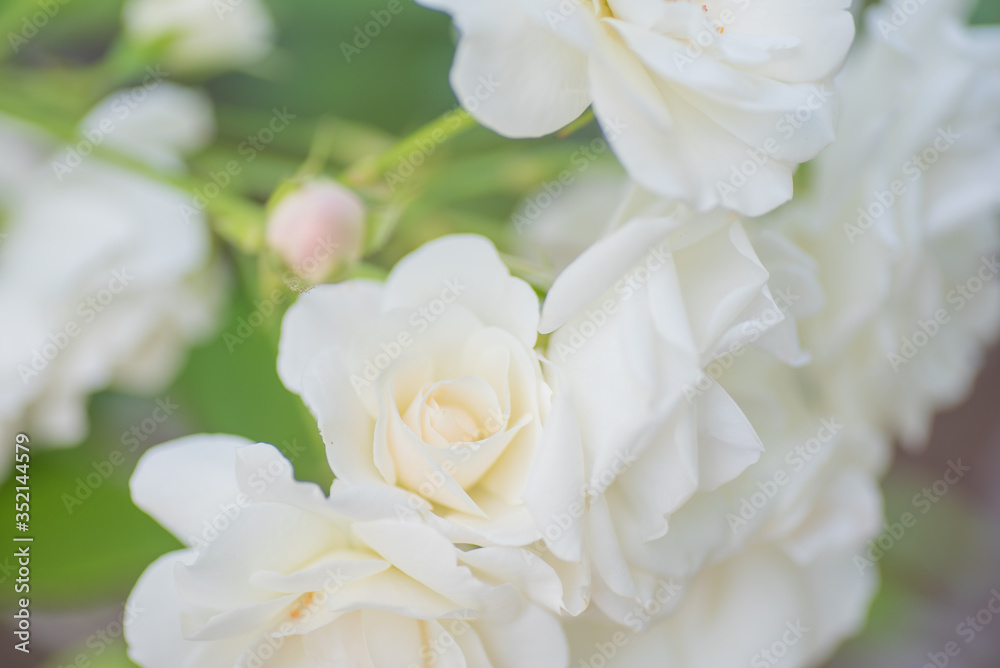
{"x": 108, "y": 282}
{"x": 156, "y": 122}
{"x": 713, "y": 103}
{"x": 646, "y": 320}
{"x": 768, "y": 566}
{"x": 901, "y": 219}
{"x": 23, "y": 149}
{"x": 760, "y": 607}
{"x": 671, "y": 258}
{"x": 202, "y": 34}
{"x": 430, "y": 382}
{"x": 275, "y": 573}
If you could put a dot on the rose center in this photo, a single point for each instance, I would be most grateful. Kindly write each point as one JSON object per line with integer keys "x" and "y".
{"x": 454, "y": 423}
{"x": 603, "y": 9}
{"x": 462, "y": 410}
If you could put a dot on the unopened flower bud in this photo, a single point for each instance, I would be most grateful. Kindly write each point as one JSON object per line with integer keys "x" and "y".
{"x": 317, "y": 229}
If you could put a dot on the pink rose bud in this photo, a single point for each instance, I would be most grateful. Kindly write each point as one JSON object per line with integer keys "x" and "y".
{"x": 317, "y": 229}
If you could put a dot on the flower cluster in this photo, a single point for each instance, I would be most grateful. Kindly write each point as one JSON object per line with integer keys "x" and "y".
{"x": 672, "y": 457}
{"x": 107, "y": 283}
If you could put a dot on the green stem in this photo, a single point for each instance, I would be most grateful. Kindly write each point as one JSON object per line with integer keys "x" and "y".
{"x": 323, "y": 145}
{"x": 316, "y": 468}
{"x": 580, "y": 123}
{"x": 256, "y": 278}
{"x": 383, "y": 222}
{"x": 235, "y": 219}
{"x": 529, "y": 271}
{"x": 124, "y": 63}
{"x": 437, "y": 132}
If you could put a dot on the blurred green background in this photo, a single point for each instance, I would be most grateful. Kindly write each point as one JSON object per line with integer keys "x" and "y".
{"x": 90, "y": 547}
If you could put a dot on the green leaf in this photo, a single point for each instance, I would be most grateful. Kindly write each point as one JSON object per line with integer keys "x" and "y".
{"x": 90, "y": 543}
{"x": 232, "y": 386}
{"x": 95, "y": 655}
